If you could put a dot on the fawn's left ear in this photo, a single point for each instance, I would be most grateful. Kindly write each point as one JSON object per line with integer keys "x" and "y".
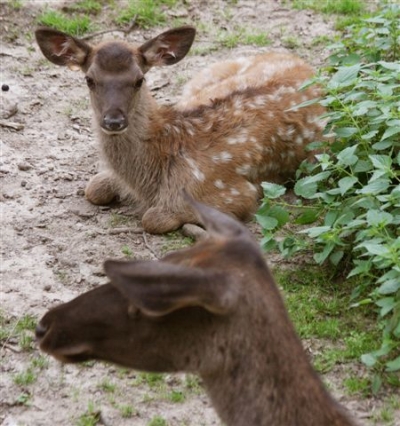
{"x": 159, "y": 288}
{"x": 169, "y": 47}
{"x": 61, "y": 48}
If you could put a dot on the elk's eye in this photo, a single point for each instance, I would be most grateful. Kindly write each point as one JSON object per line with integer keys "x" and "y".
{"x": 90, "y": 82}
{"x": 139, "y": 83}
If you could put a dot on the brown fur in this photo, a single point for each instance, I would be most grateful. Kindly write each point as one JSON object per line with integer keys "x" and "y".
{"x": 235, "y": 127}
{"x": 214, "y": 310}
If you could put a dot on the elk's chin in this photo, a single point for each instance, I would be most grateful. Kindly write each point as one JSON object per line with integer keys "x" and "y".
{"x": 71, "y": 354}
{"x": 113, "y": 132}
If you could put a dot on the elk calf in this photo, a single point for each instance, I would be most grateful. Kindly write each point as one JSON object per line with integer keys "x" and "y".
{"x": 234, "y": 128}
{"x": 212, "y": 309}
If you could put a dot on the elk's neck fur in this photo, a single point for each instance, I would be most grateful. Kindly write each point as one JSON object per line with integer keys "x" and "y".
{"x": 267, "y": 379}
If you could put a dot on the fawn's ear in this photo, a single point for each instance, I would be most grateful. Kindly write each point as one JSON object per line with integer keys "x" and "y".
{"x": 216, "y": 223}
{"x": 158, "y": 288}
{"x": 169, "y": 47}
{"x": 61, "y": 48}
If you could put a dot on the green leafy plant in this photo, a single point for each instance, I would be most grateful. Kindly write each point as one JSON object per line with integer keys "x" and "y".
{"x": 75, "y": 25}
{"x": 349, "y": 201}
{"x": 148, "y": 13}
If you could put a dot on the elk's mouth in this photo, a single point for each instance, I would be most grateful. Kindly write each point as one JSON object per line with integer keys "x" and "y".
{"x": 67, "y": 353}
{"x": 113, "y": 132}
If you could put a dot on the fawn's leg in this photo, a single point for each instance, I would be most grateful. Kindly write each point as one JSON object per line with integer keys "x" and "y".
{"x": 101, "y": 189}
{"x": 157, "y": 220}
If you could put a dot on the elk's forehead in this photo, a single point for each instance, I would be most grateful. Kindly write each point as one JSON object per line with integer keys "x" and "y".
{"x": 114, "y": 57}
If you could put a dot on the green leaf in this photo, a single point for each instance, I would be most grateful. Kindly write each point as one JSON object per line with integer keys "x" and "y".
{"x": 272, "y": 190}
{"x": 305, "y": 188}
{"x": 395, "y": 66}
{"x": 382, "y": 162}
{"x": 390, "y": 286}
{"x": 390, "y": 132}
{"x": 368, "y": 359}
{"x": 344, "y": 76}
{"x": 386, "y": 304}
{"x": 267, "y": 222}
{"x": 378, "y": 218}
{"x": 336, "y": 257}
{"x": 280, "y": 214}
{"x": 347, "y": 157}
{"x": 308, "y": 216}
{"x": 346, "y": 183}
{"x": 375, "y": 187}
{"x": 321, "y": 257}
{"x": 393, "y": 365}
{"x": 315, "y": 231}
{"x": 345, "y": 132}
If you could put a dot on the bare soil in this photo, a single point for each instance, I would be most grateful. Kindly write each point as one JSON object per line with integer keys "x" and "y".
{"x": 54, "y": 241}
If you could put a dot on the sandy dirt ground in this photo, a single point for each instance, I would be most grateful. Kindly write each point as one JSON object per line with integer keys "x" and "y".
{"x": 53, "y": 242}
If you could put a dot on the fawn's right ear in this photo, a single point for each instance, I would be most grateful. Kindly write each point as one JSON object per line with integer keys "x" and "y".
{"x": 61, "y": 48}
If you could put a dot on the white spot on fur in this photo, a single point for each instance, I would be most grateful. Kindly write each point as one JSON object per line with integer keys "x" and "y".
{"x": 223, "y": 157}
{"x": 239, "y": 138}
{"x": 298, "y": 140}
{"x": 252, "y": 187}
{"x": 219, "y": 184}
{"x": 197, "y": 173}
{"x": 244, "y": 169}
{"x": 234, "y": 191}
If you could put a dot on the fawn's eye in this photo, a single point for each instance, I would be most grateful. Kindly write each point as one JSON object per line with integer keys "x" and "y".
{"x": 90, "y": 82}
{"x": 139, "y": 83}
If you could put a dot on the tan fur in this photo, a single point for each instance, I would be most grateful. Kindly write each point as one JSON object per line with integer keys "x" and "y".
{"x": 235, "y": 127}
{"x": 213, "y": 310}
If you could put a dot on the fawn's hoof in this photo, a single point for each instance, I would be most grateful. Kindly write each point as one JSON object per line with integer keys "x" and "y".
{"x": 100, "y": 190}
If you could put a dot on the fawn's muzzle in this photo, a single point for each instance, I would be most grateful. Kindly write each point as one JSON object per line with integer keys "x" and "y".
{"x": 114, "y": 123}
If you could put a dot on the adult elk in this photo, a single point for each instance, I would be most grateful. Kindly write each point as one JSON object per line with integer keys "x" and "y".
{"x": 235, "y": 127}
{"x": 212, "y": 309}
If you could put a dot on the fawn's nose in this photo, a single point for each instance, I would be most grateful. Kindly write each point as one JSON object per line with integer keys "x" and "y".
{"x": 40, "y": 331}
{"x": 114, "y": 122}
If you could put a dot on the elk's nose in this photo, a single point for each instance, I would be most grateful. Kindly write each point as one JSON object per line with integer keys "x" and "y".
{"x": 40, "y": 331}
{"x": 114, "y": 122}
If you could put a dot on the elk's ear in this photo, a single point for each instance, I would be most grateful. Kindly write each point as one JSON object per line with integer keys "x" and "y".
{"x": 169, "y": 47}
{"x": 158, "y": 288}
{"x": 61, "y": 48}
{"x": 216, "y": 223}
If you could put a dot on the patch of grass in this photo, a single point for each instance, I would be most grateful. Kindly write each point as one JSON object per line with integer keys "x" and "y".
{"x": 153, "y": 380}
{"x": 127, "y": 251}
{"x": 344, "y": 7}
{"x": 15, "y": 4}
{"x": 157, "y": 421}
{"x": 76, "y": 25}
{"x": 90, "y": 418}
{"x": 25, "y": 378}
{"x": 176, "y": 396}
{"x": 23, "y": 399}
{"x": 40, "y": 362}
{"x": 148, "y": 13}
{"x": 127, "y": 411}
{"x": 319, "y": 309}
{"x": 357, "y": 385}
{"x": 192, "y": 383}
{"x": 86, "y": 6}
{"x": 107, "y": 386}
{"x": 239, "y": 35}
{"x": 175, "y": 241}
{"x": 290, "y": 42}
{"x": 20, "y": 329}
{"x": 117, "y": 220}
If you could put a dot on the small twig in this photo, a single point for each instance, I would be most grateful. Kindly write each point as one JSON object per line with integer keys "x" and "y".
{"x": 147, "y": 245}
{"x": 8, "y": 346}
{"x": 126, "y": 31}
{"x": 11, "y": 125}
{"x": 116, "y": 231}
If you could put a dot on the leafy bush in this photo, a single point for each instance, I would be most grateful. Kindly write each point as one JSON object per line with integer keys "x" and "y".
{"x": 349, "y": 200}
